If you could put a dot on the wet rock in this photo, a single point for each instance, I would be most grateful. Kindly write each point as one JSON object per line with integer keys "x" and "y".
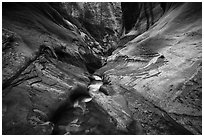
{"x": 95, "y": 86}
{"x": 41, "y": 65}
{"x": 97, "y": 78}
{"x": 151, "y": 85}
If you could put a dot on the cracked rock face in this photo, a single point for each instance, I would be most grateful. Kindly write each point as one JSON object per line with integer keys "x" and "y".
{"x": 160, "y": 73}
{"x": 56, "y": 80}
{"x": 41, "y": 66}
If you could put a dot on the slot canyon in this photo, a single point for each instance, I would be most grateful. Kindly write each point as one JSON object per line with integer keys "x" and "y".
{"x": 101, "y": 68}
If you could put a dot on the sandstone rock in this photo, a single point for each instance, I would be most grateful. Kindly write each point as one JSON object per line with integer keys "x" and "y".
{"x": 157, "y": 65}
{"x": 151, "y": 83}
{"x": 163, "y": 81}
{"x": 41, "y": 64}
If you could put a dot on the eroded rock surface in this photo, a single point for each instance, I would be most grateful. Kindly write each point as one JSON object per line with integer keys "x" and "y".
{"x": 159, "y": 73}
{"x": 44, "y": 59}
{"x": 151, "y": 83}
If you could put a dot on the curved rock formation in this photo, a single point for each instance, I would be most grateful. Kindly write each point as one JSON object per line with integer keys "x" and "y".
{"x": 146, "y": 80}
{"x": 159, "y": 72}
{"x": 43, "y": 58}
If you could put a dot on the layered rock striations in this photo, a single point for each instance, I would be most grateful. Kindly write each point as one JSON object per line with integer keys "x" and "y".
{"x": 98, "y": 68}
{"x": 159, "y": 72}
{"x": 44, "y": 57}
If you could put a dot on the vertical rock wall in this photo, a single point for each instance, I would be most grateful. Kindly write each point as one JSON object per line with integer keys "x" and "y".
{"x": 159, "y": 72}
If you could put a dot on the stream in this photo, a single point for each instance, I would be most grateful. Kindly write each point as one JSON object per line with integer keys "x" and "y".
{"x": 85, "y": 116}
{"x": 96, "y": 114}
{"x": 101, "y": 114}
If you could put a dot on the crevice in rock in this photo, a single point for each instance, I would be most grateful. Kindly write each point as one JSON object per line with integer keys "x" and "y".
{"x": 92, "y": 67}
{"x": 100, "y": 106}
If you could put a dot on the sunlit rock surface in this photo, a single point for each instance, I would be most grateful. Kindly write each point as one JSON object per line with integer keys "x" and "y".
{"x": 159, "y": 72}
{"x": 53, "y": 60}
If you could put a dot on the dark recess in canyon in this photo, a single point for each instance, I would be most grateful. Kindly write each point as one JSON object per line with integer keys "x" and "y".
{"x": 101, "y": 68}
